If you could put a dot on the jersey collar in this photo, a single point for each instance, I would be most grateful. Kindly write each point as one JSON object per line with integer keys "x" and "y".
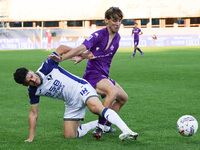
{"x": 40, "y": 77}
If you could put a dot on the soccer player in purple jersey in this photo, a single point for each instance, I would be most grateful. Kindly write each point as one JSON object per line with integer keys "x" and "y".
{"x": 137, "y": 32}
{"x": 103, "y": 44}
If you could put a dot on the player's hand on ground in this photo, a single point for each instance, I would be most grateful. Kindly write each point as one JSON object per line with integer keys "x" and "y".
{"x": 88, "y": 55}
{"x": 55, "y": 58}
{"x": 29, "y": 140}
{"x": 77, "y": 59}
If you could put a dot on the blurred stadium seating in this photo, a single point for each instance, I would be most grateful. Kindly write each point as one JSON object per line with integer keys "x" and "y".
{"x": 77, "y": 19}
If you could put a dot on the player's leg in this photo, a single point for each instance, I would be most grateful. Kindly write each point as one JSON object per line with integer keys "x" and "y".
{"x": 121, "y": 99}
{"x": 139, "y": 50}
{"x": 96, "y": 107}
{"x": 48, "y": 46}
{"x": 142, "y": 53}
{"x": 73, "y": 129}
{"x": 106, "y": 87}
{"x": 72, "y": 118}
{"x": 70, "y": 128}
{"x": 74, "y": 114}
{"x": 83, "y": 129}
{"x": 135, "y": 48}
{"x": 115, "y": 98}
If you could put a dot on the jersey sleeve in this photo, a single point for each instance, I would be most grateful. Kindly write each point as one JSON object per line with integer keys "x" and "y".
{"x": 48, "y": 65}
{"x": 33, "y": 98}
{"x": 51, "y": 61}
{"x": 90, "y": 41}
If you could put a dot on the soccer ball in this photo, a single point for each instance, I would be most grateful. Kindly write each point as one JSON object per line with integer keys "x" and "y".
{"x": 187, "y": 125}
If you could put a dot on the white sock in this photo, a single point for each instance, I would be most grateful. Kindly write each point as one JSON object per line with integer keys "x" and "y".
{"x": 84, "y": 128}
{"x": 114, "y": 118}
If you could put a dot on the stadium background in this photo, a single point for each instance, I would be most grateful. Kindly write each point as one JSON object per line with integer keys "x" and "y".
{"x": 24, "y": 22}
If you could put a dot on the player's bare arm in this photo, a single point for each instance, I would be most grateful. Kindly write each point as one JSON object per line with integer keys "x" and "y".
{"x": 70, "y": 53}
{"x": 62, "y": 49}
{"x": 32, "y": 122}
{"x": 74, "y": 52}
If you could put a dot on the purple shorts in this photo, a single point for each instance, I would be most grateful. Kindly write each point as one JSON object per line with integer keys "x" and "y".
{"x": 136, "y": 42}
{"x": 93, "y": 77}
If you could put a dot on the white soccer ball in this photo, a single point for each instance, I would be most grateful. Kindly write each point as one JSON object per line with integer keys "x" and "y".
{"x": 187, "y": 125}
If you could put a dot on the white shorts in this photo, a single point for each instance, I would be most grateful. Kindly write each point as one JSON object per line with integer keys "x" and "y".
{"x": 76, "y": 109}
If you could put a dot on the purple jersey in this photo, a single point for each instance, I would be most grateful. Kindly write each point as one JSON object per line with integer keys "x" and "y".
{"x": 97, "y": 43}
{"x": 136, "y": 31}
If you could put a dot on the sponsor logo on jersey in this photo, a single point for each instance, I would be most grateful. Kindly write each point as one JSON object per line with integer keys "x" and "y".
{"x": 49, "y": 77}
{"x": 89, "y": 37}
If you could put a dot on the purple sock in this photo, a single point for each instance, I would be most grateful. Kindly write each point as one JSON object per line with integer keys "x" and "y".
{"x": 108, "y": 124}
{"x": 139, "y": 50}
{"x": 134, "y": 52}
{"x": 101, "y": 121}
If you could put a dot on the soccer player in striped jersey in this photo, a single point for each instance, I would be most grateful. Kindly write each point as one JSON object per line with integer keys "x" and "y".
{"x": 52, "y": 81}
{"x": 136, "y": 32}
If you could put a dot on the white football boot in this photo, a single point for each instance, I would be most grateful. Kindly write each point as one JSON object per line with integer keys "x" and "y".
{"x": 128, "y": 135}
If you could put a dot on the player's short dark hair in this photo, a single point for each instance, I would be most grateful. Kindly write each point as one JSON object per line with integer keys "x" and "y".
{"x": 112, "y": 11}
{"x": 20, "y": 75}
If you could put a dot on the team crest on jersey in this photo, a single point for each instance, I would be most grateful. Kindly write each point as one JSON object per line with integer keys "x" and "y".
{"x": 112, "y": 47}
{"x": 89, "y": 37}
{"x": 49, "y": 77}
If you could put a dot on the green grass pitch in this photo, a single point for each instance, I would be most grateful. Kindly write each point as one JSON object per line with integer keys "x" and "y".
{"x": 162, "y": 86}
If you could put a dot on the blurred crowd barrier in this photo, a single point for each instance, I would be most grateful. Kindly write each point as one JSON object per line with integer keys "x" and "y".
{"x": 35, "y": 38}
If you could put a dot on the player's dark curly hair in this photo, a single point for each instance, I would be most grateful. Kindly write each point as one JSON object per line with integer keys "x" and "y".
{"x": 20, "y": 75}
{"x": 112, "y": 11}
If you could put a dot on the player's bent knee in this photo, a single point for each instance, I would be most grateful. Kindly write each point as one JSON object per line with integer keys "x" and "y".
{"x": 69, "y": 134}
{"x": 112, "y": 93}
{"x": 123, "y": 98}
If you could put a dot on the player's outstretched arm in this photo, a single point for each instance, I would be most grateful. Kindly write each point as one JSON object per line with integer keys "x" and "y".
{"x": 32, "y": 122}
{"x": 62, "y": 49}
{"x": 74, "y": 52}
{"x": 71, "y": 53}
